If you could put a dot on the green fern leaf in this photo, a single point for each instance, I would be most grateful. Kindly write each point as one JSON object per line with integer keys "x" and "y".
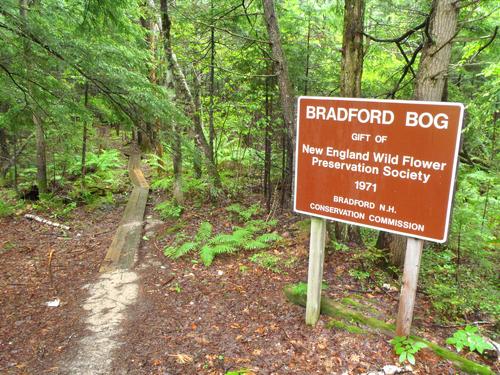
{"x": 207, "y": 255}
{"x": 222, "y": 238}
{"x": 169, "y": 251}
{"x": 269, "y": 237}
{"x": 224, "y": 249}
{"x": 185, "y": 248}
{"x": 254, "y": 245}
{"x": 241, "y": 234}
{"x": 204, "y": 232}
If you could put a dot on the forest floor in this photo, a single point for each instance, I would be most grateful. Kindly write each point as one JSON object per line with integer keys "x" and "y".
{"x": 188, "y": 318}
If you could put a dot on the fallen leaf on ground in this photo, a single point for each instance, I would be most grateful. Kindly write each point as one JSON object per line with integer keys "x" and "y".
{"x": 182, "y": 358}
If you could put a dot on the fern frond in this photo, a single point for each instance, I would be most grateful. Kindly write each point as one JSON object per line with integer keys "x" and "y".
{"x": 235, "y": 207}
{"x": 271, "y": 223}
{"x": 254, "y": 245}
{"x": 257, "y": 225}
{"x": 169, "y": 251}
{"x": 185, "y": 248}
{"x": 222, "y": 238}
{"x": 204, "y": 232}
{"x": 242, "y": 234}
{"x": 224, "y": 249}
{"x": 269, "y": 237}
{"x": 207, "y": 256}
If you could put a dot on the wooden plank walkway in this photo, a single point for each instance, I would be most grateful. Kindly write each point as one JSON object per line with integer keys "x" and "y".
{"x": 122, "y": 252}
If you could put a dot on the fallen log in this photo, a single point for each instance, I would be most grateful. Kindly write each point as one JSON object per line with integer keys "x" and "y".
{"x": 336, "y": 309}
{"x": 45, "y": 221}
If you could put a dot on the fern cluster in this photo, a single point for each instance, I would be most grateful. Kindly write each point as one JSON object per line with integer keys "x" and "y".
{"x": 242, "y": 212}
{"x": 249, "y": 237}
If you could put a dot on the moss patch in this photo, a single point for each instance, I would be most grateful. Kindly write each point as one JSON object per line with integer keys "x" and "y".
{"x": 358, "y": 305}
{"x": 334, "y": 323}
{"x": 339, "y": 311}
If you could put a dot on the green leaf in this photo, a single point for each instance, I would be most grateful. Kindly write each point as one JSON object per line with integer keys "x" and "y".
{"x": 185, "y": 248}
{"x": 207, "y": 256}
{"x": 204, "y": 232}
{"x": 411, "y": 358}
{"x": 402, "y": 357}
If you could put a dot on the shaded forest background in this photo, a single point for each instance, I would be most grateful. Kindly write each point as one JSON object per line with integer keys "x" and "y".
{"x": 207, "y": 88}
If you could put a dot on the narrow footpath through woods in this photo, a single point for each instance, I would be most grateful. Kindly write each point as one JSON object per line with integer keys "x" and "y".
{"x": 116, "y": 288}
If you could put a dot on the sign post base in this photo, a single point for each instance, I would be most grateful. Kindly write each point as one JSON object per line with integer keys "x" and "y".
{"x": 315, "y": 271}
{"x": 409, "y": 286}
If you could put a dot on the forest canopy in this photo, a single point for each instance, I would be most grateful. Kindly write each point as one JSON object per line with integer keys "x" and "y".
{"x": 207, "y": 89}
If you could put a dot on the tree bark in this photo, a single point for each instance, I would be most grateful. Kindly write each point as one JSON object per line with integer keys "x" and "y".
{"x": 197, "y": 157}
{"x": 84, "y": 138}
{"x": 41, "y": 159}
{"x": 286, "y": 95}
{"x": 4, "y": 148}
{"x": 351, "y": 71}
{"x": 267, "y": 147}
{"x": 184, "y": 96}
{"x": 351, "y": 68}
{"x": 430, "y": 86}
{"x": 211, "y": 128}
{"x": 4, "y": 153}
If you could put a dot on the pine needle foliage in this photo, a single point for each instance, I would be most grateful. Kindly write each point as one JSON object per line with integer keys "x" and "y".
{"x": 248, "y": 237}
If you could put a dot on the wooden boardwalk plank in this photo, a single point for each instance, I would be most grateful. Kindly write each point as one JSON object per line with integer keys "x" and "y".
{"x": 123, "y": 249}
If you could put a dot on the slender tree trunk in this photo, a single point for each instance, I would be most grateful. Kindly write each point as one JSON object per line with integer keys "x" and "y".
{"x": 16, "y": 184}
{"x": 286, "y": 96}
{"x": 41, "y": 159}
{"x": 84, "y": 138}
{"x": 268, "y": 147}
{"x": 211, "y": 128}
{"x": 4, "y": 153}
{"x": 430, "y": 85}
{"x": 153, "y": 24}
{"x": 4, "y": 149}
{"x": 308, "y": 56}
{"x": 351, "y": 71}
{"x": 184, "y": 95}
{"x": 351, "y": 68}
{"x": 197, "y": 158}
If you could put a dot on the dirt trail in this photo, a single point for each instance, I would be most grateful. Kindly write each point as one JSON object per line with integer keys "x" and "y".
{"x": 107, "y": 303}
{"x": 116, "y": 289}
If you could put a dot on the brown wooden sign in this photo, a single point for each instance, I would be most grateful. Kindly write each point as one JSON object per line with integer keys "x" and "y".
{"x": 383, "y": 164}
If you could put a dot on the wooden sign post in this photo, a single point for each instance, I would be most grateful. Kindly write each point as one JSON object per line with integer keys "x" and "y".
{"x": 409, "y": 286}
{"x": 383, "y": 164}
{"x": 315, "y": 271}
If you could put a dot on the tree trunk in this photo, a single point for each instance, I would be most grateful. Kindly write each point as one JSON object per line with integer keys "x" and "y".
{"x": 184, "y": 96}
{"x": 267, "y": 147}
{"x": 197, "y": 158}
{"x": 4, "y": 153}
{"x": 154, "y": 27}
{"x": 286, "y": 96}
{"x": 211, "y": 128}
{"x": 41, "y": 159}
{"x": 430, "y": 85}
{"x": 308, "y": 56}
{"x": 351, "y": 68}
{"x": 351, "y": 71}
{"x": 84, "y": 138}
{"x": 4, "y": 148}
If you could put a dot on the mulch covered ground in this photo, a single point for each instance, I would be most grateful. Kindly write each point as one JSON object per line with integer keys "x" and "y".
{"x": 189, "y": 319}
{"x": 39, "y": 263}
{"x": 233, "y": 315}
